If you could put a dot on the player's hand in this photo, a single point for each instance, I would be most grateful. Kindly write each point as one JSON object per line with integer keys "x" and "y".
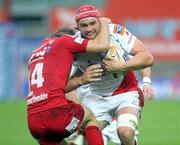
{"x": 105, "y": 19}
{"x": 148, "y": 91}
{"x": 112, "y": 64}
{"x": 92, "y": 74}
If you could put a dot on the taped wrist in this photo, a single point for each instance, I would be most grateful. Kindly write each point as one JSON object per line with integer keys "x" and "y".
{"x": 146, "y": 81}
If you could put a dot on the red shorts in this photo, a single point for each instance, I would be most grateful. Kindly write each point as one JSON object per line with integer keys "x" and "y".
{"x": 51, "y": 126}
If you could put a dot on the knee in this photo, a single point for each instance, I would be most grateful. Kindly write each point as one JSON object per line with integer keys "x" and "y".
{"x": 127, "y": 124}
{"x": 126, "y": 133}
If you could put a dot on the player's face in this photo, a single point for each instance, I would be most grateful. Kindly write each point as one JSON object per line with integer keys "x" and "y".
{"x": 89, "y": 27}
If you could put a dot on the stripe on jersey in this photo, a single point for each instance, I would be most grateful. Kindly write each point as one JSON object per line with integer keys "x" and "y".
{"x": 119, "y": 29}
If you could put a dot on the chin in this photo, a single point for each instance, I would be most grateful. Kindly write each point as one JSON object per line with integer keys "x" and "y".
{"x": 91, "y": 37}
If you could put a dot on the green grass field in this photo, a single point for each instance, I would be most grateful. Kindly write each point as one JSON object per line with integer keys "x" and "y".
{"x": 160, "y": 124}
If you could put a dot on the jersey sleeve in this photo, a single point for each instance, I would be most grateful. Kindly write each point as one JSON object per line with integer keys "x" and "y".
{"x": 125, "y": 39}
{"x": 73, "y": 68}
{"x": 77, "y": 44}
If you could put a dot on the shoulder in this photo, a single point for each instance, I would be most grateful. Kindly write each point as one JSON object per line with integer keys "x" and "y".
{"x": 74, "y": 38}
{"x": 116, "y": 28}
{"x": 65, "y": 39}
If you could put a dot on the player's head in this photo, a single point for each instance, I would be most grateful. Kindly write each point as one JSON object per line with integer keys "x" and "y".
{"x": 66, "y": 29}
{"x": 87, "y": 21}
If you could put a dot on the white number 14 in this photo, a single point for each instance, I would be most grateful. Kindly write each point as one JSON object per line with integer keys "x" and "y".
{"x": 37, "y": 78}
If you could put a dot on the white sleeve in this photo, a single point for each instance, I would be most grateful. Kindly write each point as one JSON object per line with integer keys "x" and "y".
{"x": 73, "y": 69}
{"x": 125, "y": 39}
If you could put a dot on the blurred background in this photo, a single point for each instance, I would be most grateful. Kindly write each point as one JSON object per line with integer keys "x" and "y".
{"x": 24, "y": 23}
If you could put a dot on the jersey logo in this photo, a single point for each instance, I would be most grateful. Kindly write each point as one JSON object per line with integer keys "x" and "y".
{"x": 119, "y": 29}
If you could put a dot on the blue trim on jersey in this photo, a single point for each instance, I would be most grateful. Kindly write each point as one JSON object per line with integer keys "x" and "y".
{"x": 118, "y": 29}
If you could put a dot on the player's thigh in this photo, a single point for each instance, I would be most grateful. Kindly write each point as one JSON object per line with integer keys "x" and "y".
{"x": 89, "y": 117}
{"x": 88, "y": 114}
{"x": 101, "y": 109}
{"x": 63, "y": 121}
{"x": 36, "y": 125}
{"x": 76, "y": 114}
{"x": 129, "y": 110}
{"x": 72, "y": 96}
{"x": 130, "y": 104}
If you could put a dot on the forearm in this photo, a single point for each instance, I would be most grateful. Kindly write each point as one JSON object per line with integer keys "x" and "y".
{"x": 92, "y": 74}
{"x": 74, "y": 83}
{"x": 146, "y": 75}
{"x": 103, "y": 37}
{"x": 146, "y": 72}
{"x": 102, "y": 41}
{"x": 147, "y": 86}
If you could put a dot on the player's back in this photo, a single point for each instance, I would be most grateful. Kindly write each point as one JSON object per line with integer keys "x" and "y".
{"x": 49, "y": 67}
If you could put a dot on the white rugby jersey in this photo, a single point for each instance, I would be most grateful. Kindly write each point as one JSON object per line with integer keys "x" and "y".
{"x": 109, "y": 83}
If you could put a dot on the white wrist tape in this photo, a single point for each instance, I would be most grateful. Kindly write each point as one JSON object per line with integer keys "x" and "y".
{"x": 147, "y": 80}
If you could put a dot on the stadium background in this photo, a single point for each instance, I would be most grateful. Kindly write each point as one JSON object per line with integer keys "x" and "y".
{"x": 23, "y": 24}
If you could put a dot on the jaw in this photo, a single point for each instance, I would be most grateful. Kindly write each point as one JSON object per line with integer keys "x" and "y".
{"x": 90, "y": 36}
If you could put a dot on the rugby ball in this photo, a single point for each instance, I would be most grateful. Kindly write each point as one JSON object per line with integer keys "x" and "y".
{"x": 118, "y": 52}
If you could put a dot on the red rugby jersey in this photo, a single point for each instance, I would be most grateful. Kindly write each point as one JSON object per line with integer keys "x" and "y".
{"x": 49, "y": 67}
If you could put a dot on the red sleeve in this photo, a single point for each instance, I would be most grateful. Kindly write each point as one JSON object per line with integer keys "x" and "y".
{"x": 76, "y": 44}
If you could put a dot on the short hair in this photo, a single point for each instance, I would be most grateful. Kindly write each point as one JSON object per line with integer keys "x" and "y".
{"x": 64, "y": 30}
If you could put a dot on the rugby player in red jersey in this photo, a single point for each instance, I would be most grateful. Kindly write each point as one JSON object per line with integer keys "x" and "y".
{"x": 50, "y": 116}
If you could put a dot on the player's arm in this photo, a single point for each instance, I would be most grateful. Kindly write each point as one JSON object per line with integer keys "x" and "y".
{"x": 101, "y": 42}
{"x": 142, "y": 59}
{"x": 147, "y": 86}
{"x": 92, "y": 74}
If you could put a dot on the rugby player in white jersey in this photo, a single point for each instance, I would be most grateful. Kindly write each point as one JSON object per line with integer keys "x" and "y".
{"x": 110, "y": 131}
{"x": 115, "y": 94}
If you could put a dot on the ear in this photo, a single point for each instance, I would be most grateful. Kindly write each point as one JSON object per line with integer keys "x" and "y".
{"x": 77, "y": 26}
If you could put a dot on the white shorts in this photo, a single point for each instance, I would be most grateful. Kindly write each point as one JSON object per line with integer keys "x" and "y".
{"x": 105, "y": 108}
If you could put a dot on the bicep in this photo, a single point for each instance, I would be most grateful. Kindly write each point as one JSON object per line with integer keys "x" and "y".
{"x": 138, "y": 46}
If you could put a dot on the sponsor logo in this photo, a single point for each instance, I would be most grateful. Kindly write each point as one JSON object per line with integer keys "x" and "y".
{"x": 39, "y": 54}
{"x": 73, "y": 125}
{"x": 35, "y": 99}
